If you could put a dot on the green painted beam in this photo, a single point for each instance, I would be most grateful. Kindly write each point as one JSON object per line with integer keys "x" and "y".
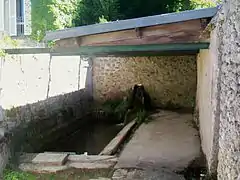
{"x": 113, "y": 50}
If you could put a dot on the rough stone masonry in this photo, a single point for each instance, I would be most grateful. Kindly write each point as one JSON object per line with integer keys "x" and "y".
{"x": 228, "y": 32}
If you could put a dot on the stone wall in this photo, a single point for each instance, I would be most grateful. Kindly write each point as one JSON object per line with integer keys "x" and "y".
{"x": 170, "y": 80}
{"x": 28, "y": 78}
{"x": 219, "y": 95}
{"x": 43, "y": 97}
{"x": 228, "y": 33}
{"x": 206, "y": 105}
{"x": 31, "y": 127}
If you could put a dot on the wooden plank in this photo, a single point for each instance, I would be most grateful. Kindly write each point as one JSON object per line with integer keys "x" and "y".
{"x": 70, "y": 42}
{"x": 113, "y": 146}
{"x": 184, "y": 32}
{"x": 131, "y": 23}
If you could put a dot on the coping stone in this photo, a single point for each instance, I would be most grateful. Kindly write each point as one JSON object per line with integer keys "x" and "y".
{"x": 55, "y": 159}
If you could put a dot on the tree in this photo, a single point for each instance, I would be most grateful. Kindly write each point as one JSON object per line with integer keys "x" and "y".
{"x": 91, "y": 11}
{"x": 6, "y": 42}
{"x": 198, "y": 4}
{"x": 48, "y": 15}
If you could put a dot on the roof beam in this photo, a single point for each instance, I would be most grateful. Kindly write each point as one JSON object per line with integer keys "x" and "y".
{"x": 114, "y": 50}
{"x": 182, "y": 32}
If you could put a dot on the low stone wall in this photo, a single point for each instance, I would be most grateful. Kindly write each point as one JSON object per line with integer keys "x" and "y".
{"x": 206, "y": 106}
{"x": 228, "y": 50}
{"x": 219, "y": 95}
{"x": 28, "y": 78}
{"x": 170, "y": 80}
{"x": 32, "y": 126}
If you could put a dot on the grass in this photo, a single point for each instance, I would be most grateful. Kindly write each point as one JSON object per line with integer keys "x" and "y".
{"x": 9, "y": 174}
{"x": 68, "y": 175}
{"x": 17, "y": 175}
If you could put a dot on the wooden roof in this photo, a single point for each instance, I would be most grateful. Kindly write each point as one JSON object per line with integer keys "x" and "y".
{"x": 173, "y": 28}
{"x": 131, "y": 23}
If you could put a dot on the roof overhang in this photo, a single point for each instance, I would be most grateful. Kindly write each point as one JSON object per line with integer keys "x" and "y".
{"x": 131, "y": 24}
{"x": 126, "y": 50}
{"x": 165, "y": 34}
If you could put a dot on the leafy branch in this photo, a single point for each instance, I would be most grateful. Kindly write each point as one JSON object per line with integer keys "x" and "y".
{"x": 6, "y": 42}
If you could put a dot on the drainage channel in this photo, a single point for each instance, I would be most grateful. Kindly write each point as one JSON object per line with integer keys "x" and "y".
{"x": 81, "y": 165}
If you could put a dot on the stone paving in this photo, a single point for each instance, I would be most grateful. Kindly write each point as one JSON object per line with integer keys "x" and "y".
{"x": 168, "y": 141}
{"x": 147, "y": 174}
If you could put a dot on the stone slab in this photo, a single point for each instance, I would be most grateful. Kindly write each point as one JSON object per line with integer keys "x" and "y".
{"x": 91, "y": 158}
{"x": 27, "y": 157}
{"x": 92, "y": 166}
{"x": 41, "y": 169}
{"x": 112, "y": 147}
{"x": 49, "y": 152}
{"x": 54, "y": 159}
{"x": 137, "y": 174}
{"x": 166, "y": 141}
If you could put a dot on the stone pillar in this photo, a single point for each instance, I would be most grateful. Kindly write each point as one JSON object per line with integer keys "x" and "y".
{"x": 228, "y": 33}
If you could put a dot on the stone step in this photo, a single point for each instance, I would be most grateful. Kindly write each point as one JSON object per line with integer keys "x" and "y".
{"x": 48, "y": 169}
{"x": 51, "y": 159}
{"x": 55, "y": 162}
{"x": 41, "y": 168}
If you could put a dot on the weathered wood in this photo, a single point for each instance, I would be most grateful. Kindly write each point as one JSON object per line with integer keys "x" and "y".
{"x": 182, "y": 32}
{"x": 70, "y": 43}
{"x": 113, "y": 146}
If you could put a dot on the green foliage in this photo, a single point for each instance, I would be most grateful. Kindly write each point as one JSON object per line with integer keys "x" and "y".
{"x": 94, "y": 11}
{"x": 6, "y": 41}
{"x": 117, "y": 108}
{"x": 141, "y": 116}
{"x": 48, "y": 15}
{"x": 102, "y": 19}
{"x": 139, "y": 8}
{"x": 16, "y": 175}
{"x": 198, "y": 4}
{"x": 11, "y": 112}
